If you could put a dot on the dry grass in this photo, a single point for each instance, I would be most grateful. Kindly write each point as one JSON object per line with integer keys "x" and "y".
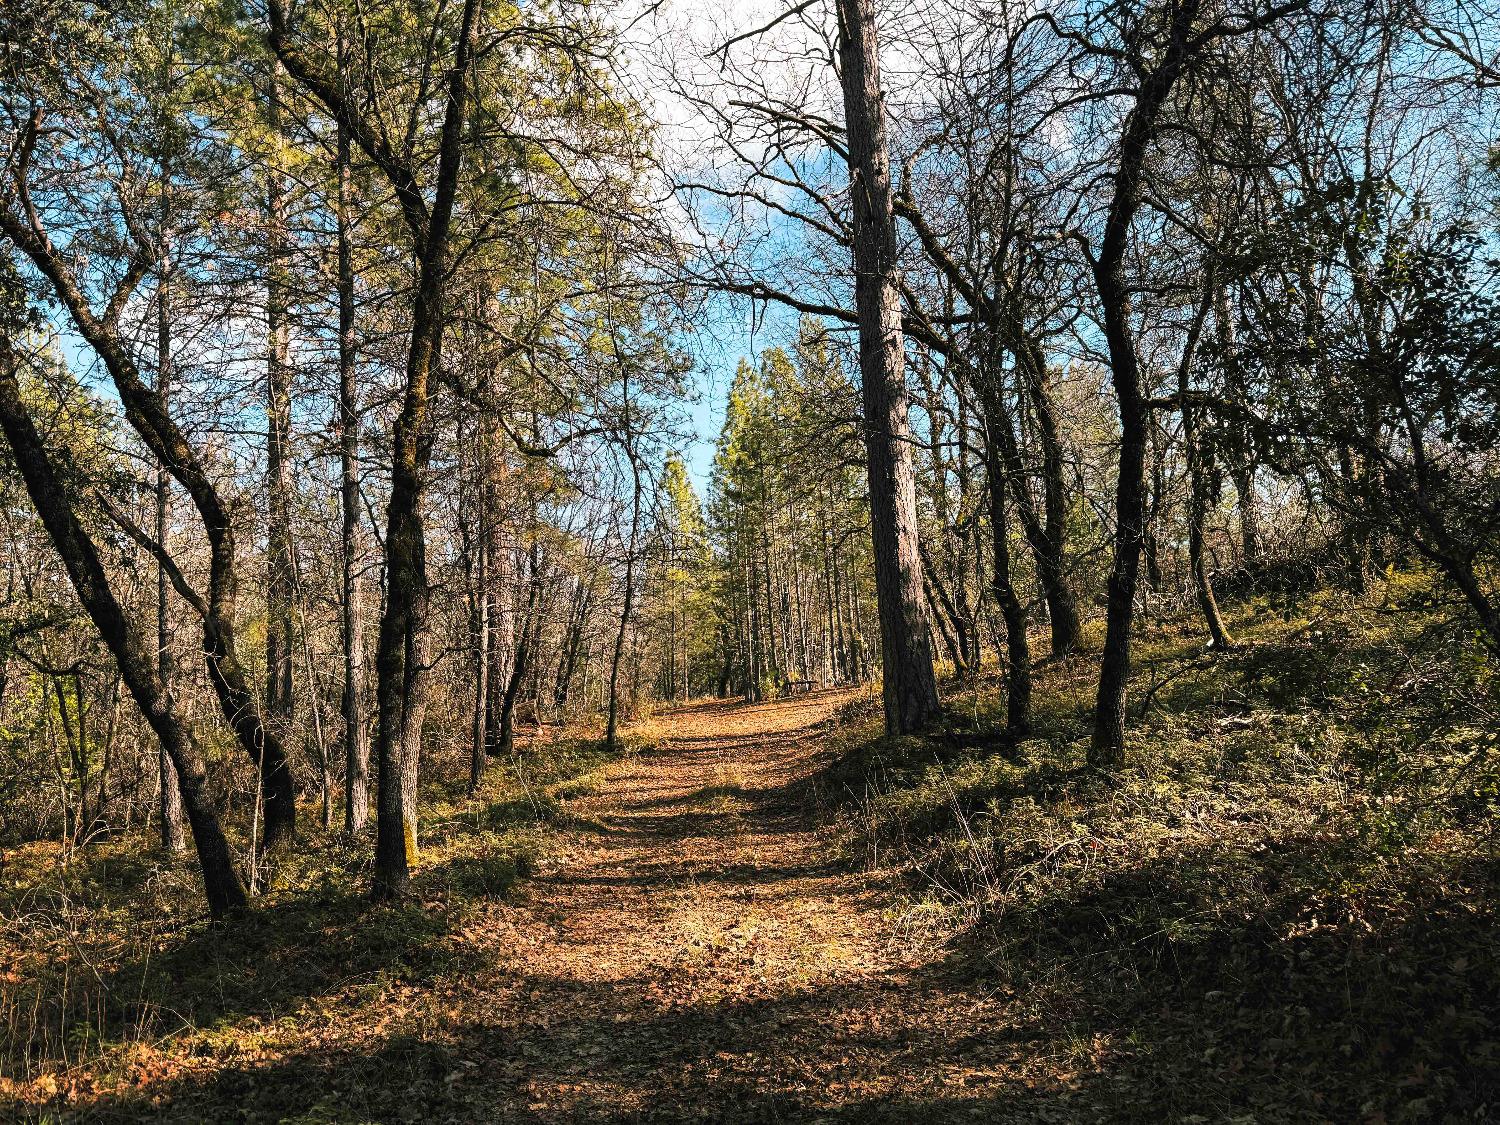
{"x": 109, "y": 969}
{"x": 1282, "y": 910}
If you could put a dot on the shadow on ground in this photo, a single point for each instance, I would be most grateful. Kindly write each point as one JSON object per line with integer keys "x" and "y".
{"x": 1082, "y": 1011}
{"x": 1209, "y": 982}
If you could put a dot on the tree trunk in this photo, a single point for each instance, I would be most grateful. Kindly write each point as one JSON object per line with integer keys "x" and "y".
{"x": 1107, "y": 749}
{"x": 1251, "y": 538}
{"x": 524, "y": 645}
{"x": 400, "y": 657}
{"x": 1242, "y": 471}
{"x": 1202, "y": 583}
{"x": 499, "y": 585}
{"x": 572, "y": 644}
{"x": 611, "y": 729}
{"x": 845, "y": 639}
{"x": 752, "y": 633}
{"x": 1108, "y": 746}
{"x": 833, "y": 612}
{"x": 480, "y": 625}
{"x": 172, "y": 840}
{"x": 280, "y": 576}
{"x": 909, "y": 687}
{"x": 1051, "y": 547}
{"x": 222, "y": 886}
{"x": 944, "y": 615}
{"x": 1017, "y": 641}
{"x": 1197, "y": 512}
{"x": 1156, "y": 493}
{"x": 356, "y": 734}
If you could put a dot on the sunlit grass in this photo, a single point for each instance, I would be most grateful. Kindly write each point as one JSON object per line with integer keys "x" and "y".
{"x": 1305, "y": 824}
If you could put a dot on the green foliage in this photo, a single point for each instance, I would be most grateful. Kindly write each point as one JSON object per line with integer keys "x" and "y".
{"x": 786, "y": 499}
{"x": 490, "y": 874}
{"x": 1376, "y": 343}
{"x": 676, "y": 601}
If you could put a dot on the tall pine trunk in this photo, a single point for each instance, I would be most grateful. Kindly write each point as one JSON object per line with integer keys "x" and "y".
{"x": 909, "y": 685}
{"x": 356, "y": 734}
{"x": 499, "y": 581}
{"x": 351, "y": 594}
{"x": 280, "y": 575}
{"x": 611, "y": 729}
{"x": 480, "y": 628}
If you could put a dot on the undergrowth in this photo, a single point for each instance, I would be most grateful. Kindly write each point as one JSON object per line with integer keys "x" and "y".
{"x": 105, "y": 952}
{"x": 1282, "y": 908}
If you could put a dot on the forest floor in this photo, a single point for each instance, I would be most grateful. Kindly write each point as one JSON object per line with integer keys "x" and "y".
{"x": 698, "y": 948}
{"x": 1282, "y": 910}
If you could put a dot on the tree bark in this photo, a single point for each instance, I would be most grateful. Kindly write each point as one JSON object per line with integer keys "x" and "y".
{"x": 945, "y": 615}
{"x": 1017, "y": 641}
{"x": 400, "y": 658}
{"x": 280, "y": 576}
{"x": 611, "y": 728}
{"x": 1049, "y": 539}
{"x": 1242, "y": 471}
{"x": 401, "y": 663}
{"x": 499, "y": 591}
{"x": 524, "y": 645}
{"x": 572, "y": 643}
{"x": 172, "y": 840}
{"x": 351, "y": 601}
{"x": 1107, "y": 749}
{"x": 480, "y": 629}
{"x": 909, "y": 686}
{"x": 1197, "y": 471}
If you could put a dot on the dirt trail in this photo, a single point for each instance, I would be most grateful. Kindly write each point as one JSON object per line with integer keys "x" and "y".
{"x": 708, "y": 956}
{"x": 700, "y": 954}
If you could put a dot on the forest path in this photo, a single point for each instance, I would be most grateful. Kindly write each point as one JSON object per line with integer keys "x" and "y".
{"x": 709, "y": 957}
{"x": 695, "y": 949}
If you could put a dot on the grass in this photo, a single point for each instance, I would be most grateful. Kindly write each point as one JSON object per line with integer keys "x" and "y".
{"x": 109, "y": 970}
{"x": 1283, "y": 908}
{"x": 723, "y": 795}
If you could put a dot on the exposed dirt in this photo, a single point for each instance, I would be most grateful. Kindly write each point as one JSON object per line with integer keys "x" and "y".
{"x": 710, "y": 957}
